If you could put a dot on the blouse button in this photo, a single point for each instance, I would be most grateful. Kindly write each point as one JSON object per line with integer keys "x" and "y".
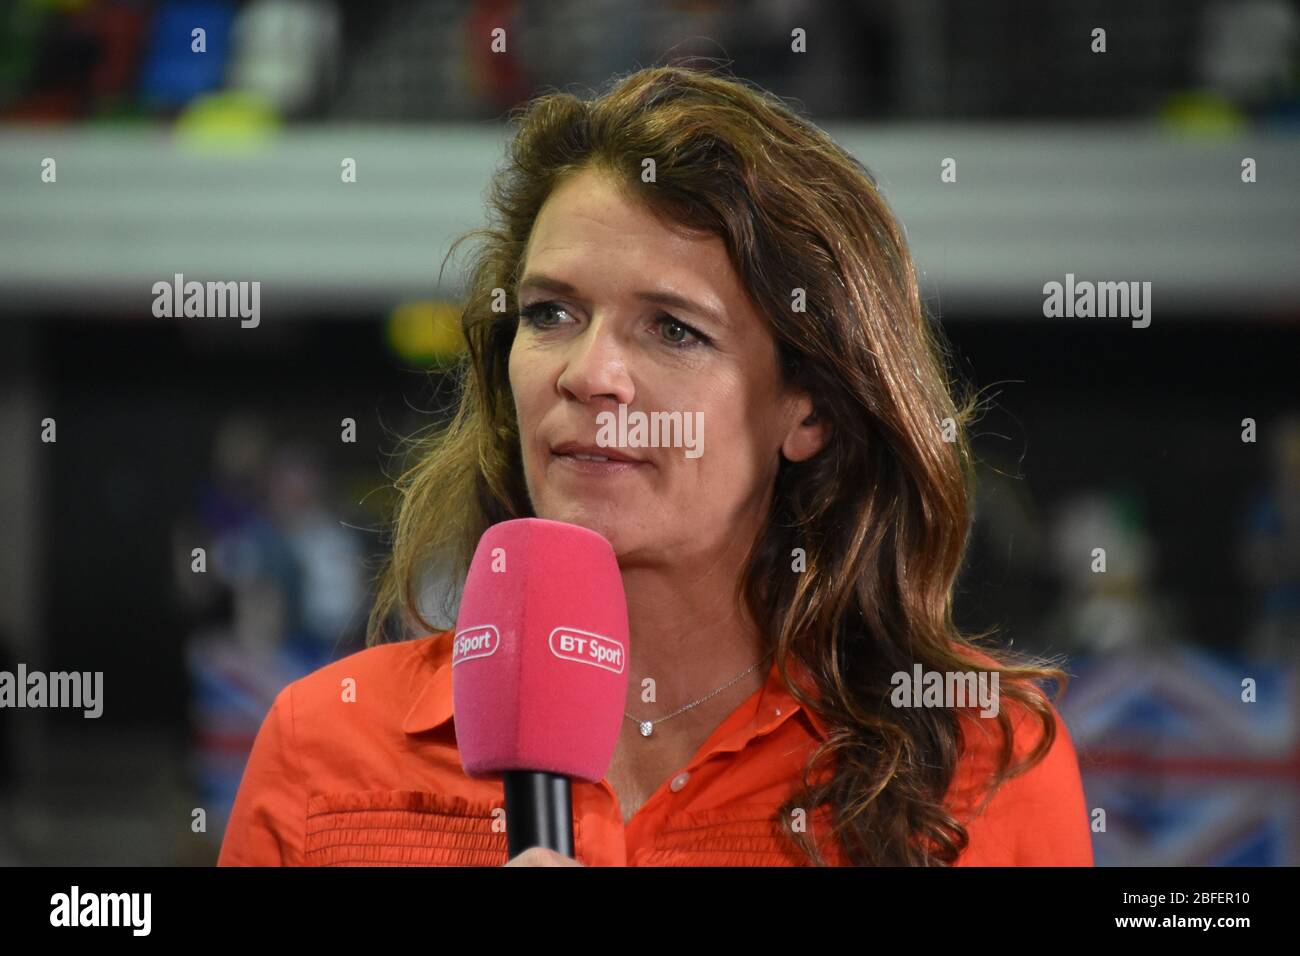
{"x": 679, "y": 781}
{"x": 778, "y": 711}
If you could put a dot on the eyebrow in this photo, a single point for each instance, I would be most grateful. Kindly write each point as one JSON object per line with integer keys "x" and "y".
{"x": 668, "y": 299}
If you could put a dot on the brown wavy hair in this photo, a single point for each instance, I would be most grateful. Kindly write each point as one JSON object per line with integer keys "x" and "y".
{"x": 882, "y": 513}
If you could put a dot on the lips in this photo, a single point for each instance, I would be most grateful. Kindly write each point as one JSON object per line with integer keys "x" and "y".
{"x": 574, "y": 449}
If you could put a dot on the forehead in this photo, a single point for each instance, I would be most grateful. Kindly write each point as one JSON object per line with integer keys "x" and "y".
{"x": 592, "y": 224}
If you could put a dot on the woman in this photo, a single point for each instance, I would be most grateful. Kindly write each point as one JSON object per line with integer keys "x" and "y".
{"x": 684, "y": 243}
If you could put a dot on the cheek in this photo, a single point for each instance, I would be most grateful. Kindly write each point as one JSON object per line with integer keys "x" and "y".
{"x": 741, "y": 442}
{"x": 734, "y": 420}
{"x": 524, "y": 385}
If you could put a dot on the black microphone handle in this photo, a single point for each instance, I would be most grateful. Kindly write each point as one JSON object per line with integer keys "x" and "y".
{"x": 539, "y": 811}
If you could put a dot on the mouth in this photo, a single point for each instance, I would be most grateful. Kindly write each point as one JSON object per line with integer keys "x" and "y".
{"x": 594, "y": 460}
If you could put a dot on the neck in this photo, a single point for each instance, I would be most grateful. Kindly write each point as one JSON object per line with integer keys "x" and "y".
{"x": 689, "y": 635}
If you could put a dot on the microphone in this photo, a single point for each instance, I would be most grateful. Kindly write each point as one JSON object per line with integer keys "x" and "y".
{"x": 539, "y": 671}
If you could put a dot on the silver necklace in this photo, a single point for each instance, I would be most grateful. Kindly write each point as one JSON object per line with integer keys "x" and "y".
{"x": 648, "y": 726}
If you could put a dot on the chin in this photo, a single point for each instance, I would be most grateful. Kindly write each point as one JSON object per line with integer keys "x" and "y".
{"x": 597, "y": 518}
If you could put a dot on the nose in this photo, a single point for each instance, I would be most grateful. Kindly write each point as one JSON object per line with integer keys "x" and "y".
{"x": 595, "y": 366}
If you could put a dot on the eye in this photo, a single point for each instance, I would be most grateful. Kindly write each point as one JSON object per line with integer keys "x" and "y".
{"x": 544, "y": 316}
{"x": 687, "y": 337}
{"x": 535, "y": 315}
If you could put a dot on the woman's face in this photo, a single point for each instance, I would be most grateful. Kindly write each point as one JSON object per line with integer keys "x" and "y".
{"x": 620, "y": 308}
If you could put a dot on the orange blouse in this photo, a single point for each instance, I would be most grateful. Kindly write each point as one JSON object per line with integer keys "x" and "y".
{"x": 377, "y": 781}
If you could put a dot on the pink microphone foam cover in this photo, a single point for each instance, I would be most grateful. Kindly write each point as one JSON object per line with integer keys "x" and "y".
{"x": 539, "y": 664}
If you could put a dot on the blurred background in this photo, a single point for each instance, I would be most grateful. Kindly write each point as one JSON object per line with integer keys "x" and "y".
{"x": 332, "y": 151}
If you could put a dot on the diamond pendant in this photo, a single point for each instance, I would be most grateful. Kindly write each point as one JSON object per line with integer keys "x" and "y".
{"x": 647, "y": 728}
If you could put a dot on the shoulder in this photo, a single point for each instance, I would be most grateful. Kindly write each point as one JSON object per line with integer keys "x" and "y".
{"x": 1013, "y": 722}
{"x": 383, "y": 667}
{"x": 1037, "y": 817}
{"x": 337, "y": 731}
{"x": 1019, "y": 728}
{"x": 373, "y": 687}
